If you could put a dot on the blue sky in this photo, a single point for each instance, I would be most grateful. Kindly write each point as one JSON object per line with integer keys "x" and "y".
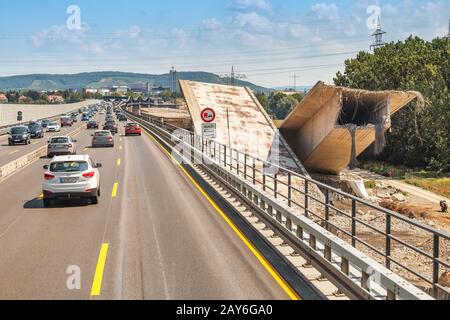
{"x": 267, "y": 40}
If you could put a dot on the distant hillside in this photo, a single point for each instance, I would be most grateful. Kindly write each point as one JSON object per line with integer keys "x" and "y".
{"x": 291, "y": 88}
{"x": 49, "y": 82}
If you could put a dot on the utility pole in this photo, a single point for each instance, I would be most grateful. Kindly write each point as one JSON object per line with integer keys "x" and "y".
{"x": 378, "y": 34}
{"x": 295, "y": 82}
{"x": 233, "y": 76}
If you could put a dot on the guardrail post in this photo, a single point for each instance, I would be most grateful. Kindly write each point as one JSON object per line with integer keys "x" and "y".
{"x": 312, "y": 242}
{"x": 353, "y": 223}
{"x": 365, "y": 280}
{"x": 275, "y": 185}
{"x": 289, "y": 189}
{"x": 388, "y": 240}
{"x": 254, "y": 171}
{"x": 299, "y": 232}
{"x": 345, "y": 266}
{"x": 327, "y": 209}
{"x": 245, "y": 166}
{"x": 435, "y": 265}
{"x": 264, "y": 181}
{"x": 306, "y": 198}
{"x": 224, "y": 155}
{"x": 238, "y": 167}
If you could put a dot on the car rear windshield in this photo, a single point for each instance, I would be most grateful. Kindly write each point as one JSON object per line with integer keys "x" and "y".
{"x": 110, "y": 123}
{"x": 54, "y": 124}
{"x": 18, "y": 130}
{"x": 132, "y": 125}
{"x": 60, "y": 140}
{"x": 103, "y": 134}
{"x": 69, "y": 166}
{"x": 34, "y": 127}
{"x": 92, "y": 122}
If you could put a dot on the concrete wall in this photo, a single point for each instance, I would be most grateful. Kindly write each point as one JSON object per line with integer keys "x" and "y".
{"x": 8, "y": 112}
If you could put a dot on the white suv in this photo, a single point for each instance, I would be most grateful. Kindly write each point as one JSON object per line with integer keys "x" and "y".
{"x": 71, "y": 177}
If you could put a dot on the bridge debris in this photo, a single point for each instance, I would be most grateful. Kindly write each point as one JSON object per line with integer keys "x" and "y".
{"x": 250, "y": 130}
{"x": 333, "y": 125}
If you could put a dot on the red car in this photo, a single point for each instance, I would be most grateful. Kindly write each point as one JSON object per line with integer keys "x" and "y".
{"x": 132, "y": 129}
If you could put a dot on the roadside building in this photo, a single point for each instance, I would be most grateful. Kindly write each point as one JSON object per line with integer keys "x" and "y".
{"x": 23, "y": 99}
{"x": 55, "y": 99}
{"x": 3, "y": 98}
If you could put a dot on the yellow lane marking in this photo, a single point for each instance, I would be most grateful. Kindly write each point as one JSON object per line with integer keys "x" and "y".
{"x": 41, "y": 196}
{"x": 266, "y": 264}
{"x": 119, "y": 161}
{"x": 120, "y": 147}
{"x": 86, "y": 149}
{"x": 114, "y": 190}
{"x": 98, "y": 277}
{"x": 13, "y": 152}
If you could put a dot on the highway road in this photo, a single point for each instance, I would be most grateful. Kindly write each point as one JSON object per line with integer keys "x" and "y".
{"x": 10, "y": 153}
{"x": 153, "y": 235}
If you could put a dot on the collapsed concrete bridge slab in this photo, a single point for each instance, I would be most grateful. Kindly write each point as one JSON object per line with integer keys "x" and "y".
{"x": 333, "y": 125}
{"x": 242, "y": 122}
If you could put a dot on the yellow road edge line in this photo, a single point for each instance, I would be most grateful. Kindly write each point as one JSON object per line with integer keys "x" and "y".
{"x": 13, "y": 152}
{"x": 119, "y": 161}
{"x": 114, "y": 190}
{"x": 98, "y": 277}
{"x": 266, "y": 264}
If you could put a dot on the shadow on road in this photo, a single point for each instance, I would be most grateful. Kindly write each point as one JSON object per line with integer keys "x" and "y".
{"x": 37, "y": 203}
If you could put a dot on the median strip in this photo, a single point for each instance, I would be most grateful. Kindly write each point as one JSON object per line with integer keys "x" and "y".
{"x": 99, "y": 271}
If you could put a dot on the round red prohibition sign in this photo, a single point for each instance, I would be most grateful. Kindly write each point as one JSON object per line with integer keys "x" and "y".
{"x": 208, "y": 115}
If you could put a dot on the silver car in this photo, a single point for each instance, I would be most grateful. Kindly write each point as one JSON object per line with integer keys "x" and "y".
{"x": 63, "y": 145}
{"x": 102, "y": 138}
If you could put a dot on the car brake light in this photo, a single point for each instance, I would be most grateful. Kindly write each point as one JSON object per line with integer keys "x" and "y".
{"x": 110, "y": 139}
{"x": 89, "y": 175}
{"x": 48, "y": 176}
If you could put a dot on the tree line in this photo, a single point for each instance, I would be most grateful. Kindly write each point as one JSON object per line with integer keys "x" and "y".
{"x": 419, "y": 138}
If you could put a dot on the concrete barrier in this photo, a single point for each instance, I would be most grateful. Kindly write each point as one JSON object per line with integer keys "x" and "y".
{"x": 8, "y": 112}
{"x": 16, "y": 165}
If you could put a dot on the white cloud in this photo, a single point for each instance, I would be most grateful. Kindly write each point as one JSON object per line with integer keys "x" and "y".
{"x": 252, "y": 22}
{"x": 251, "y": 5}
{"x": 59, "y": 33}
{"x": 326, "y": 11}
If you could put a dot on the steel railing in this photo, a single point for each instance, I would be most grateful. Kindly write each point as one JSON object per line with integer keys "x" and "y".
{"x": 283, "y": 185}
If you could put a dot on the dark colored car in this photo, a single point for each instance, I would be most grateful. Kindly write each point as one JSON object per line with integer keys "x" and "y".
{"x": 85, "y": 118}
{"x": 92, "y": 125}
{"x": 45, "y": 123}
{"x": 19, "y": 134}
{"x": 66, "y": 122}
{"x": 111, "y": 126}
{"x": 122, "y": 117}
{"x": 36, "y": 130}
{"x": 74, "y": 118}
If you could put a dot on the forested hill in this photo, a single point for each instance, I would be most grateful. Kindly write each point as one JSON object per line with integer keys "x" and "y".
{"x": 50, "y": 82}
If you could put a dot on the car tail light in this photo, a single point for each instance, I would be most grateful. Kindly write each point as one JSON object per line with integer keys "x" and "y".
{"x": 110, "y": 139}
{"x": 70, "y": 145}
{"x": 49, "y": 176}
{"x": 89, "y": 175}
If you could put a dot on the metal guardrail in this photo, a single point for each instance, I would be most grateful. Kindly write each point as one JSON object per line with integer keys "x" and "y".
{"x": 242, "y": 170}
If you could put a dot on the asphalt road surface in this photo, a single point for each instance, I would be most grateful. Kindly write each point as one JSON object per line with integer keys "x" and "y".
{"x": 153, "y": 235}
